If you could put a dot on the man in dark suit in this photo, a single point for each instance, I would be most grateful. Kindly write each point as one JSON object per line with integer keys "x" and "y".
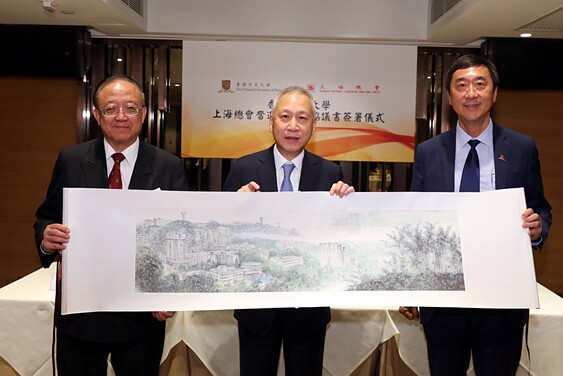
{"x": 506, "y": 159}
{"x": 134, "y": 340}
{"x": 303, "y": 330}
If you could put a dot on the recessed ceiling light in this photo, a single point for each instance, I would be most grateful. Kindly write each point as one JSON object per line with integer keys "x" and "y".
{"x": 119, "y": 59}
{"x": 526, "y": 35}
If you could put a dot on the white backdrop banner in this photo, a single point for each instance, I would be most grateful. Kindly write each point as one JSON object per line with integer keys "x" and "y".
{"x": 157, "y": 250}
{"x": 364, "y": 94}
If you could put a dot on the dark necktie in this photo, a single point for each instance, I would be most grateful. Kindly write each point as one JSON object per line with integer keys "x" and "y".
{"x": 114, "y": 180}
{"x": 286, "y": 185}
{"x": 470, "y": 178}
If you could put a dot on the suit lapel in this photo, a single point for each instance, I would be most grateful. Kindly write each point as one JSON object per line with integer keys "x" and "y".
{"x": 447, "y": 160}
{"x": 94, "y": 165}
{"x": 309, "y": 173}
{"x": 266, "y": 170}
{"x": 501, "y": 150}
{"x": 143, "y": 176}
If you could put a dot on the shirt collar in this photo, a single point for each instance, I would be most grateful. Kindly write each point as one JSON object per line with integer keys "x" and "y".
{"x": 279, "y": 160}
{"x": 486, "y": 137}
{"x": 130, "y": 153}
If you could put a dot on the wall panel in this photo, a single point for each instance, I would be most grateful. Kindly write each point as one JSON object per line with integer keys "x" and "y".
{"x": 37, "y": 118}
{"x": 539, "y": 114}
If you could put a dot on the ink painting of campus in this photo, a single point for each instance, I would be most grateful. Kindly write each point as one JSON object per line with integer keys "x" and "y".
{"x": 369, "y": 250}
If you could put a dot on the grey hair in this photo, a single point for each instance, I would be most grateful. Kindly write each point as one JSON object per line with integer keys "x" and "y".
{"x": 295, "y": 89}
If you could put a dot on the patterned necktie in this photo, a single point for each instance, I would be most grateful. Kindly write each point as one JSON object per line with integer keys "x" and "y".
{"x": 286, "y": 183}
{"x": 114, "y": 180}
{"x": 470, "y": 178}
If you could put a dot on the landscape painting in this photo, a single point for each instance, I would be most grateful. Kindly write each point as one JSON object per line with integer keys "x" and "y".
{"x": 360, "y": 250}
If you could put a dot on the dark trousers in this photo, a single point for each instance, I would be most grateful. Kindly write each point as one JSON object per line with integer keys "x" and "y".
{"x": 138, "y": 358}
{"x": 302, "y": 349}
{"x": 492, "y": 336}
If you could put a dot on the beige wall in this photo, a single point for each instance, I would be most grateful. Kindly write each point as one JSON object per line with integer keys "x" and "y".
{"x": 37, "y": 118}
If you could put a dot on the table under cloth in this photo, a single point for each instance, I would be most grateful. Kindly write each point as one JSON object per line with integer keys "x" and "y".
{"x": 353, "y": 336}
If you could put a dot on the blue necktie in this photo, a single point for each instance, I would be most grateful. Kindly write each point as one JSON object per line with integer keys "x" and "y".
{"x": 286, "y": 183}
{"x": 470, "y": 178}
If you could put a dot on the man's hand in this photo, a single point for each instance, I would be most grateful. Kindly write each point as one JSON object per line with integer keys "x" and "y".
{"x": 55, "y": 237}
{"x": 341, "y": 189}
{"x": 162, "y": 315}
{"x": 410, "y": 313}
{"x": 532, "y": 221}
{"x": 250, "y": 187}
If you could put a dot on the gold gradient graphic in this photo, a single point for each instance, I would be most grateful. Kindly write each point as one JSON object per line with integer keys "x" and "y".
{"x": 359, "y": 143}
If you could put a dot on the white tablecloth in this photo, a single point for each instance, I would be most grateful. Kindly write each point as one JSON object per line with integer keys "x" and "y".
{"x": 545, "y": 339}
{"x": 26, "y": 314}
{"x": 26, "y": 323}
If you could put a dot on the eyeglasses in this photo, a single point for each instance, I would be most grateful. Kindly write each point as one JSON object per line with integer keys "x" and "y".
{"x": 127, "y": 111}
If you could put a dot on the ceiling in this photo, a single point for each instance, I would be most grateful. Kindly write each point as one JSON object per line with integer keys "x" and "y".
{"x": 466, "y": 23}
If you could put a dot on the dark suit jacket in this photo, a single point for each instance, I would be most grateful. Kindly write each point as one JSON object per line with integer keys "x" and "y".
{"x": 516, "y": 165}
{"x": 84, "y": 166}
{"x": 317, "y": 174}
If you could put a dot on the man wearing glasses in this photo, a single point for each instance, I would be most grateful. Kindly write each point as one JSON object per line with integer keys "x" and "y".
{"x": 117, "y": 160}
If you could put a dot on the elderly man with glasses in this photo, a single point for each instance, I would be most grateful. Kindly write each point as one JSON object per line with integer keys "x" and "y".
{"x": 117, "y": 160}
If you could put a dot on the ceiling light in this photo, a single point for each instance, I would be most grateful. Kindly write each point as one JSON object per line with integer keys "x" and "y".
{"x": 50, "y": 5}
{"x": 526, "y": 35}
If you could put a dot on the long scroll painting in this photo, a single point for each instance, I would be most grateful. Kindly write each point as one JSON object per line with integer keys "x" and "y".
{"x": 157, "y": 250}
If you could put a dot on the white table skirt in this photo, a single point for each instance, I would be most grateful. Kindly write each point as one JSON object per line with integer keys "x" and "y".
{"x": 26, "y": 319}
